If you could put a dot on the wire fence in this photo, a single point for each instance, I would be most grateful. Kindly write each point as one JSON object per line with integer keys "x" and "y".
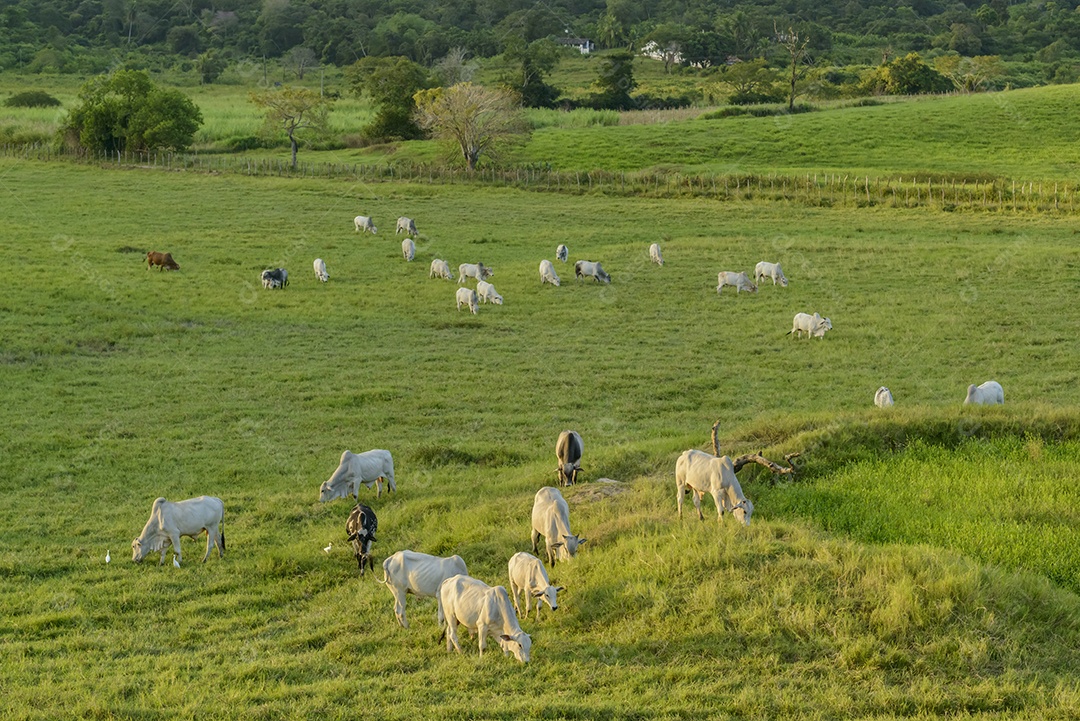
{"x": 813, "y": 189}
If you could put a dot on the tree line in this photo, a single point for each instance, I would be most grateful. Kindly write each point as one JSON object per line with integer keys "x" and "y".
{"x": 85, "y": 36}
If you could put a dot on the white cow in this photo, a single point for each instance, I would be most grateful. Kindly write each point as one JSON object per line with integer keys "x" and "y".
{"x": 467, "y": 297}
{"x": 765, "y": 270}
{"x": 405, "y": 225}
{"x": 654, "y": 254}
{"x": 440, "y": 269}
{"x": 700, "y": 473}
{"x": 483, "y": 610}
{"x": 813, "y": 325}
{"x": 364, "y": 223}
{"x": 551, "y": 519}
{"x": 419, "y": 574}
{"x": 987, "y": 394}
{"x": 168, "y": 521}
{"x": 883, "y": 398}
{"x": 562, "y": 253}
{"x": 528, "y": 577}
{"x": 320, "y": 270}
{"x": 584, "y": 268}
{"x": 356, "y": 469}
{"x": 547, "y": 273}
{"x": 408, "y": 249}
{"x": 739, "y": 280}
{"x": 486, "y": 292}
{"x": 479, "y": 271}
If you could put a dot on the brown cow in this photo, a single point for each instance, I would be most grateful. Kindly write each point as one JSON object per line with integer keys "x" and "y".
{"x": 164, "y": 261}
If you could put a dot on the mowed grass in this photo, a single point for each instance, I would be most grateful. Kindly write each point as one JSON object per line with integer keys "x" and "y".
{"x": 120, "y": 385}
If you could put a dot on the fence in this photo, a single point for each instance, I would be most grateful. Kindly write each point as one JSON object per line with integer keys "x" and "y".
{"x": 814, "y": 189}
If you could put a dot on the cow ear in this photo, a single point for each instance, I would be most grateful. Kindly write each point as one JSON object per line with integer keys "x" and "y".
{"x": 560, "y": 588}
{"x": 504, "y": 637}
{"x": 556, "y": 545}
{"x": 582, "y": 540}
{"x": 537, "y": 594}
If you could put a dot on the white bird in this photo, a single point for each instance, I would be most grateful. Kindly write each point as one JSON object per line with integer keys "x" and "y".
{"x": 327, "y": 549}
{"x": 107, "y": 558}
{"x": 175, "y": 562}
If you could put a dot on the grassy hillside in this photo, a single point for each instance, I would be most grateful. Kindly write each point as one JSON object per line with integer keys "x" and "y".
{"x": 843, "y": 598}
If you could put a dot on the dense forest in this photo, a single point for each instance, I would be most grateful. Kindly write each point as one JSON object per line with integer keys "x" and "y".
{"x": 85, "y": 36}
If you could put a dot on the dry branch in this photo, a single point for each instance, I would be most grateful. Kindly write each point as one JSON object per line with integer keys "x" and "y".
{"x": 741, "y": 461}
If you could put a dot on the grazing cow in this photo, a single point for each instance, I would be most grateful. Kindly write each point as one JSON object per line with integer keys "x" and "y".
{"x": 408, "y": 249}
{"x": 467, "y": 296}
{"x": 584, "y": 268}
{"x": 562, "y": 253}
{"x": 479, "y": 271}
{"x": 547, "y": 273}
{"x": 364, "y": 223}
{"x": 739, "y": 280}
{"x": 813, "y": 325}
{"x": 699, "y": 473}
{"x": 356, "y": 469}
{"x": 654, "y": 254}
{"x": 551, "y": 519}
{"x": 440, "y": 269}
{"x": 360, "y": 529}
{"x": 405, "y": 225}
{"x": 483, "y": 610}
{"x": 275, "y": 278}
{"x": 883, "y": 398}
{"x": 419, "y": 574}
{"x": 168, "y": 521}
{"x": 320, "y": 270}
{"x": 568, "y": 450}
{"x": 164, "y": 261}
{"x": 765, "y": 270}
{"x": 528, "y": 577}
{"x": 987, "y": 394}
{"x": 486, "y": 292}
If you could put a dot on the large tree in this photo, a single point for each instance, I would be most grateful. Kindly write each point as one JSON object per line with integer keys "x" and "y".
{"x": 391, "y": 84}
{"x": 477, "y": 120}
{"x": 293, "y": 111}
{"x": 529, "y": 64}
{"x": 615, "y": 81}
{"x": 127, "y": 111}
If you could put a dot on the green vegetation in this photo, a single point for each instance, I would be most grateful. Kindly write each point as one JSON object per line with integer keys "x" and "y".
{"x": 31, "y": 99}
{"x": 923, "y": 565}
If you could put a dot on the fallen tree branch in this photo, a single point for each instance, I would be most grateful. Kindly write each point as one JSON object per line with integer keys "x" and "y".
{"x": 715, "y": 440}
{"x": 741, "y": 461}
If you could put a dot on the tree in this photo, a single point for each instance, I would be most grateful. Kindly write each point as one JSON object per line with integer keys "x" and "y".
{"x": 294, "y": 110}
{"x": 300, "y": 59}
{"x": 751, "y": 82}
{"x": 800, "y": 61}
{"x": 210, "y": 65}
{"x": 970, "y": 75}
{"x": 478, "y": 120}
{"x": 391, "y": 84}
{"x": 530, "y": 62}
{"x": 615, "y": 81}
{"x": 127, "y": 111}
{"x": 908, "y": 75}
{"x": 453, "y": 68}
{"x": 666, "y": 43}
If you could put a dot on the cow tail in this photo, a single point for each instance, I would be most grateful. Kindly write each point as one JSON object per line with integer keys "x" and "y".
{"x": 223, "y": 532}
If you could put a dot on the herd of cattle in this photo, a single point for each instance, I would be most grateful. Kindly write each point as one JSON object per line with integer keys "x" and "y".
{"x": 484, "y": 610}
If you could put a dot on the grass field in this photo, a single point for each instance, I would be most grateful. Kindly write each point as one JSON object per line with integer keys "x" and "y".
{"x": 923, "y": 565}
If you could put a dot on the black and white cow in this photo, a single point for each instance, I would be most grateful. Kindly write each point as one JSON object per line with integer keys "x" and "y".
{"x": 568, "y": 451}
{"x": 275, "y": 278}
{"x": 361, "y": 528}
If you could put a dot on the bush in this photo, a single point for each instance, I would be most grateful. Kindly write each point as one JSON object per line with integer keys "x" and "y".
{"x": 31, "y": 99}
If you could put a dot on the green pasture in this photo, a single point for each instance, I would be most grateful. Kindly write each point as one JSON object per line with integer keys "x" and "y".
{"x": 923, "y": 563}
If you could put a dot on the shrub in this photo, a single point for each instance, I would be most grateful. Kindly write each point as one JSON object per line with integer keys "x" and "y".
{"x": 31, "y": 99}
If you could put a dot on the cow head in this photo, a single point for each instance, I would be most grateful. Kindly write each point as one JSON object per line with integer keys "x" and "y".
{"x": 549, "y": 596}
{"x": 330, "y": 492}
{"x": 138, "y": 553}
{"x": 742, "y": 511}
{"x": 570, "y": 544}
{"x": 519, "y": 644}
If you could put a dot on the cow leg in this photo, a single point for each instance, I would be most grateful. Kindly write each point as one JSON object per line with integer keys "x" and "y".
{"x": 209, "y": 542}
{"x": 719, "y": 507}
{"x": 514, "y": 597}
{"x": 451, "y": 633}
{"x": 680, "y": 491}
{"x": 378, "y": 487}
{"x": 399, "y": 606}
{"x": 176, "y": 548}
{"x": 535, "y": 538}
{"x": 697, "y": 504}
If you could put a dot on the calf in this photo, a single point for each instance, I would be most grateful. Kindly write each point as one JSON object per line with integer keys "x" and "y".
{"x": 440, "y": 269}
{"x": 419, "y": 574}
{"x": 568, "y": 450}
{"x": 587, "y": 268}
{"x": 467, "y": 297}
{"x": 164, "y": 261}
{"x": 408, "y": 249}
{"x": 483, "y": 610}
{"x": 528, "y": 577}
{"x": 405, "y": 225}
{"x": 275, "y": 278}
{"x": 883, "y": 398}
{"x": 562, "y": 253}
{"x": 486, "y": 292}
{"x": 989, "y": 393}
{"x": 169, "y": 521}
{"x": 364, "y": 223}
{"x": 547, "y": 273}
{"x": 765, "y": 270}
{"x": 320, "y": 270}
{"x": 360, "y": 529}
{"x": 654, "y": 254}
{"x": 479, "y": 271}
{"x": 739, "y": 280}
